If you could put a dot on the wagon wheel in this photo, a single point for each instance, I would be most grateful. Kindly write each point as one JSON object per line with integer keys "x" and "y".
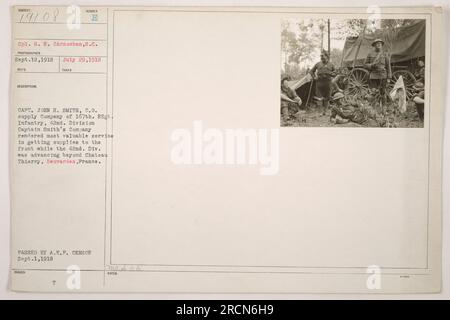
{"x": 358, "y": 82}
{"x": 408, "y": 79}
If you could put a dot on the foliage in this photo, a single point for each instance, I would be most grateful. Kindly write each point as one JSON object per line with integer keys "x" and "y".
{"x": 336, "y": 56}
{"x": 297, "y": 45}
{"x": 384, "y": 28}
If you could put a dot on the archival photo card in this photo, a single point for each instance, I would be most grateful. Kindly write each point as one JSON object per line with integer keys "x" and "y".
{"x": 197, "y": 149}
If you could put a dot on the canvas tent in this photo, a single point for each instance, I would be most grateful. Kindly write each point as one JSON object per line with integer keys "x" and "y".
{"x": 302, "y": 87}
{"x": 408, "y": 44}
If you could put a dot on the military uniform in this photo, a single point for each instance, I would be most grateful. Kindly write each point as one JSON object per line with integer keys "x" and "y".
{"x": 325, "y": 74}
{"x": 349, "y": 112}
{"x": 379, "y": 65}
{"x": 419, "y": 99}
{"x": 342, "y": 112}
{"x": 288, "y": 107}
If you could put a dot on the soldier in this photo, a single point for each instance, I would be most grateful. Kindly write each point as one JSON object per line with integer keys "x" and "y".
{"x": 420, "y": 72}
{"x": 344, "y": 112}
{"x": 419, "y": 98}
{"x": 340, "y": 79}
{"x": 290, "y": 101}
{"x": 379, "y": 65}
{"x": 339, "y": 115}
{"x": 325, "y": 74}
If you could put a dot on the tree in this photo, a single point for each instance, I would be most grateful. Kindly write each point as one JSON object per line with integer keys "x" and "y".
{"x": 349, "y": 28}
{"x": 298, "y": 42}
{"x": 354, "y": 27}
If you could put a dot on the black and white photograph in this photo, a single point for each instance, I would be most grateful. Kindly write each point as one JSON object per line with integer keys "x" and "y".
{"x": 353, "y": 73}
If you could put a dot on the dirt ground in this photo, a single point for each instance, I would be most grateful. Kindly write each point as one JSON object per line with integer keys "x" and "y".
{"x": 314, "y": 118}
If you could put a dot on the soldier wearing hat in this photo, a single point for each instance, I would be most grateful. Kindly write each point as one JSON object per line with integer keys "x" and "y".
{"x": 379, "y": 65}
{"x": 325, "y": 74}
{"x": 338, "y": 114}
{"x": 343, "y": 112}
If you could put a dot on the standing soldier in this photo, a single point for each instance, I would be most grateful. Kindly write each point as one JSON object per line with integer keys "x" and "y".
{"x": 379, "y": 65}
{"x": 325, "y": 74}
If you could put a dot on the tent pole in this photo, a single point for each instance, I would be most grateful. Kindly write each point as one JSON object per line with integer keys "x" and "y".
{"x": 342, "y": 56}
{"x": 329, "y": 39}
{"x": 359, "y": 46}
